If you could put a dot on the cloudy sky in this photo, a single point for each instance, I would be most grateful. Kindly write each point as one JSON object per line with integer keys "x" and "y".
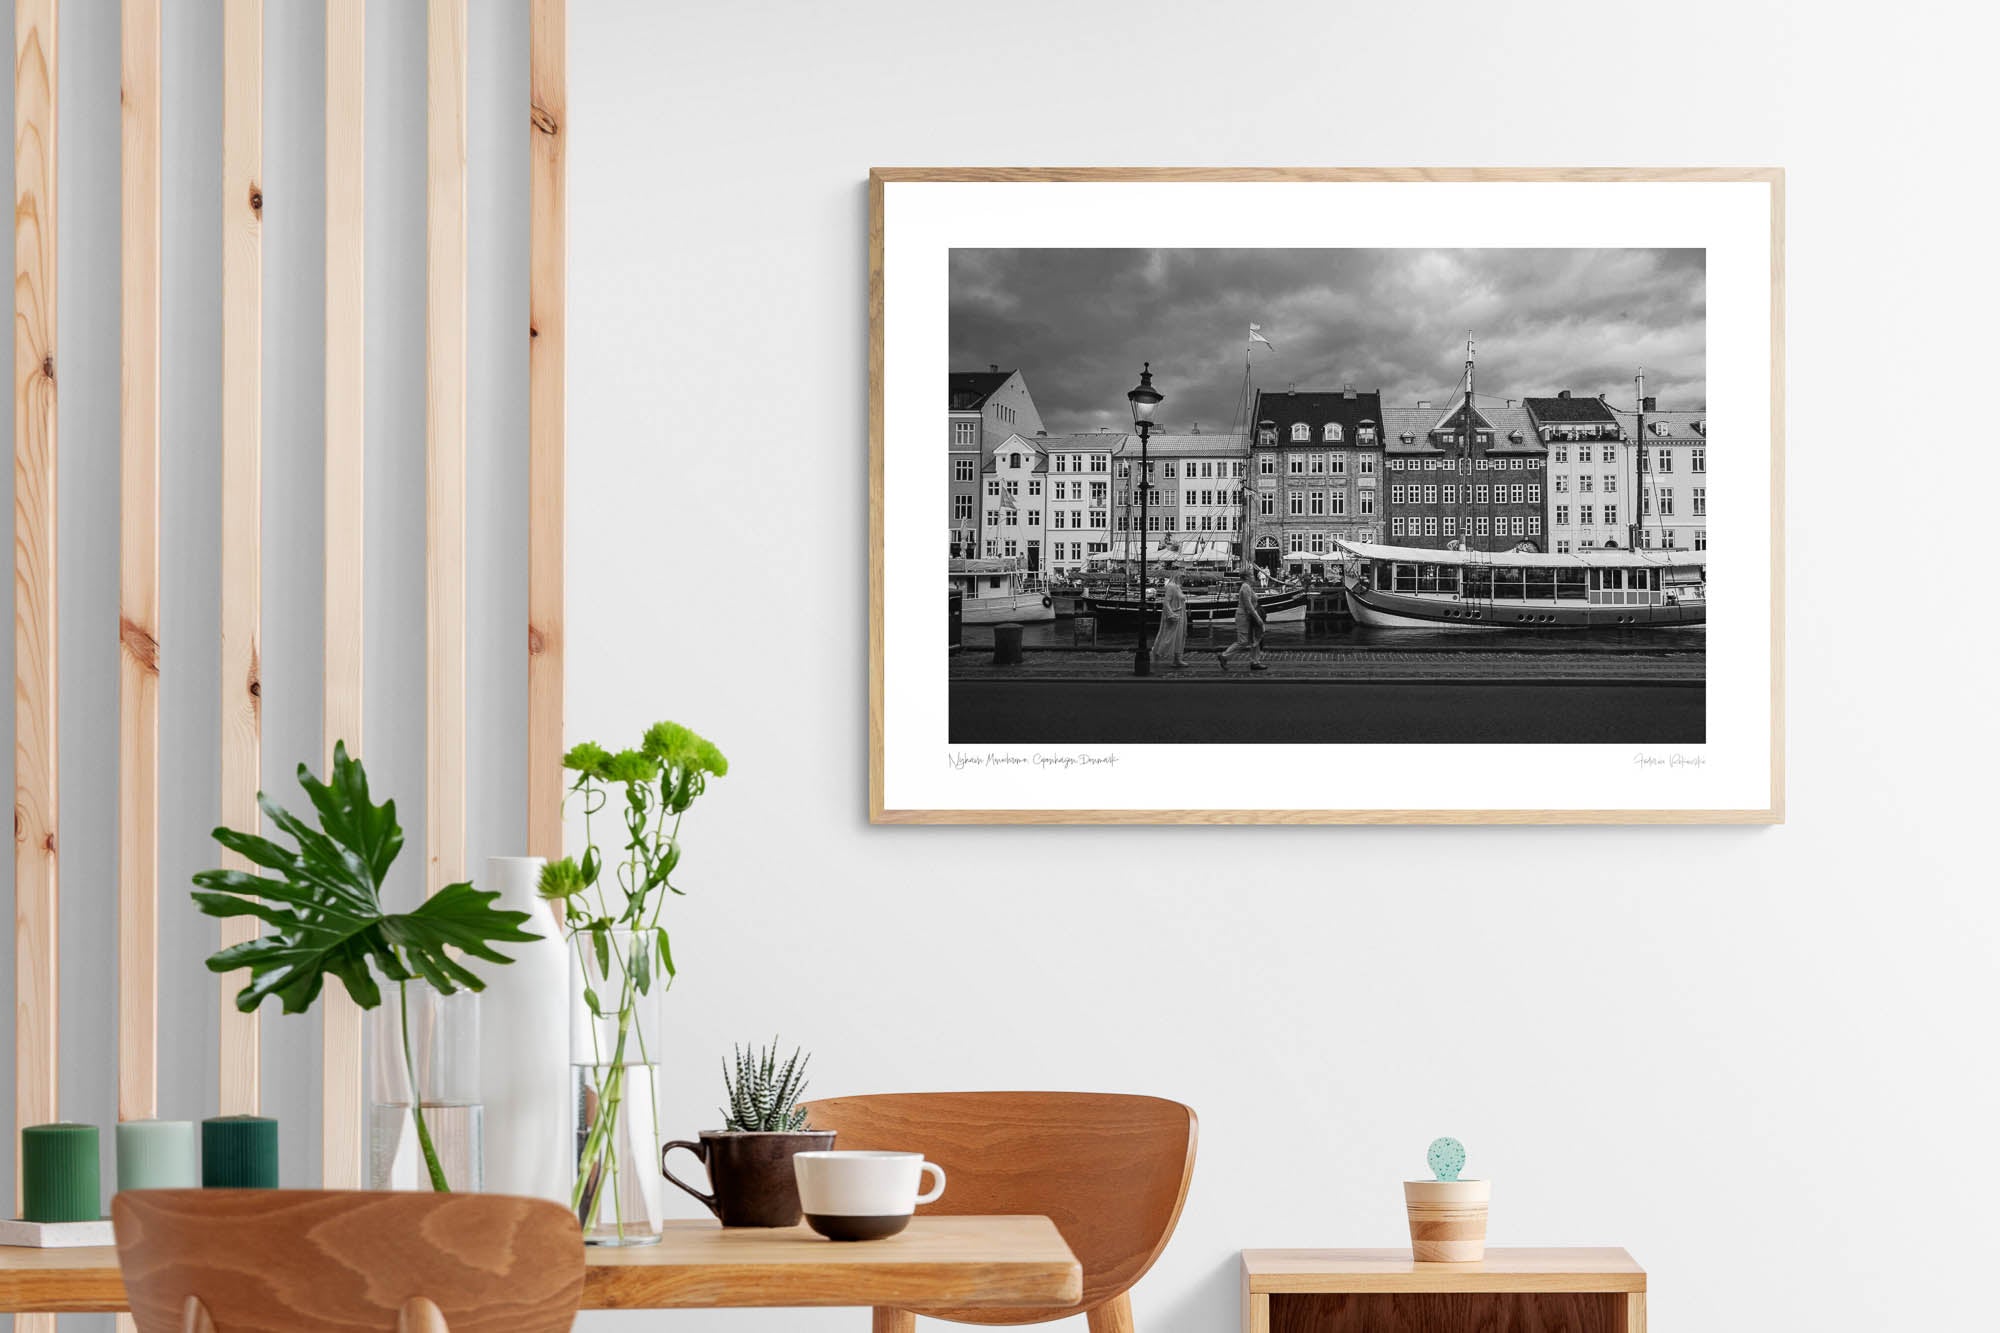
{"x": 1079, "y": 322}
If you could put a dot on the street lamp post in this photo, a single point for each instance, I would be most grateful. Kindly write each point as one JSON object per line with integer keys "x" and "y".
{"x": 1143, "y": 399}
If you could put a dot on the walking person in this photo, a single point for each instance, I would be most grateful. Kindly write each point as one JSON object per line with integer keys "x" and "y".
{"x": 1249, "y": 624}
{"x": 1170, "y": 644}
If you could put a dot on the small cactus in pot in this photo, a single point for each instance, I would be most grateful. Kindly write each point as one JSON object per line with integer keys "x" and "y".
{"x": 1447, "y": 1214}
{"x": 749, "y": 1160}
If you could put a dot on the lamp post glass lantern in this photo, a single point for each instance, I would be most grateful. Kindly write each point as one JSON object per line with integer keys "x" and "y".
{"x": 1144, "y": 399}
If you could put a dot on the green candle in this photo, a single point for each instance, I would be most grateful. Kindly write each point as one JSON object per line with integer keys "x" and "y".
{"x": 239, "y": 1152}
{"x": 59, "y": 1174}
{"x": 158, "y": 1155}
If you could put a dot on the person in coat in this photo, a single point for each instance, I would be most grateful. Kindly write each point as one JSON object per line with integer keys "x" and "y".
{"x": 1249, "y": 624}
{"x": 1170, "y": 644}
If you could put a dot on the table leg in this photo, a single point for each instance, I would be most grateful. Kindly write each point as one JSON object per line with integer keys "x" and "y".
{"x": 1114, "y": 1316}
{"x": 1635, "y": 1312}
{"x": 894, "y": 1321}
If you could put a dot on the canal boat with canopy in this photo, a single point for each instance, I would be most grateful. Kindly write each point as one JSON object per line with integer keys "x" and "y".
{"x": 1000, "y": 589}
{"x": 1408, "y": 587}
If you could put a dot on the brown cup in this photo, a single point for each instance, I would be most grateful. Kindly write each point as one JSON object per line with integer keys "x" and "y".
{"x": 750, "y": 1174}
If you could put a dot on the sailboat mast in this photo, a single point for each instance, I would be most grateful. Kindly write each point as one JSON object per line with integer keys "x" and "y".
{"x": 1465, "y": 479}
{"x": 1638, "y": 524}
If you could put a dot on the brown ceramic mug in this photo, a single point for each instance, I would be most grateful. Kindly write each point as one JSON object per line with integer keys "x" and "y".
{"x": 750, "y": 1174}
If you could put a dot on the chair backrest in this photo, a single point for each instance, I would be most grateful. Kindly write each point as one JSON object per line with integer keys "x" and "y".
{"x": 1110, "y": 1170}
{"x": 335, "y": 1261}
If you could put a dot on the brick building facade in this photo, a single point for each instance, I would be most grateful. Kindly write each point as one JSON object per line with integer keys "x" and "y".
{"x": 1315, "y": 474}
{"x": 986, "y": 406}
{"x": 1486, "y": 494}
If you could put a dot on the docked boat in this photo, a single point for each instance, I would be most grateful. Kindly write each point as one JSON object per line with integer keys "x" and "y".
{"x": 1407, "y": 587}
{"x": 1214, "y": 599}
{"x": 1000, "y": 590}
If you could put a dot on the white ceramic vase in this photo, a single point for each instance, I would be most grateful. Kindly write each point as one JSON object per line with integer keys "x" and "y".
{"x": 525, "y": 1045}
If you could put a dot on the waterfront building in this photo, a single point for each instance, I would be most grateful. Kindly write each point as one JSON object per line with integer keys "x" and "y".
{"x": 1591, "y": 475}
{"x": 1013, "y": 501}
{"x": 986, "y": 406}
{"x": 1669, "y": 460}
{"x": 1078, "y": 479}
{"x": 1488, "y": 492}
{"x": 1197, "y": 491}
{"x": 1315, "y": 474}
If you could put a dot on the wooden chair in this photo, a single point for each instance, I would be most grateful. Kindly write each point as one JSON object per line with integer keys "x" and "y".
{"x": 1111, "y": 1171}
{"x": 328, "y": 1261}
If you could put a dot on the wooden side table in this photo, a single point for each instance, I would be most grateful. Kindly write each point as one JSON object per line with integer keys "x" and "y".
{"x": 1385, "y": 1291}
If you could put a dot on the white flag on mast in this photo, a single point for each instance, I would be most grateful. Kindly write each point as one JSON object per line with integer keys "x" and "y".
{"x": 1257, "y": 336}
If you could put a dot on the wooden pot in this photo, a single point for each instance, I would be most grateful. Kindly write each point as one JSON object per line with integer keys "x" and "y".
{"x": 1447, "y": 1219}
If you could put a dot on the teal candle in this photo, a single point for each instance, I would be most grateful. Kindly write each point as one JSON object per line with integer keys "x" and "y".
{"x": 158, "y": 1155}
{"x": 239, "y": 1152}
{"x": 59, "y": 1174}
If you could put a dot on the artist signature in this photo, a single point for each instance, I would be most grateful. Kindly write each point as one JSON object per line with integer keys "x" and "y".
{"x": 1652, "y": 761}
{"x": 961, "y": 759}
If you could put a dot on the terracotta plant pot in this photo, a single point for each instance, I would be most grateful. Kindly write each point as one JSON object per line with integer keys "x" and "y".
{"x": 1447, "y": 1219}
{"x": 750, "y": 1174}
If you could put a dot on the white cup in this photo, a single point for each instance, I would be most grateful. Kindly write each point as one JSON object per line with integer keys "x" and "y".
{"x": 862, "y": 1195}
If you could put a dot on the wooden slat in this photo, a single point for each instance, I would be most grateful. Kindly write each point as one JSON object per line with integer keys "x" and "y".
{"x": 36, "y": 983}
{"x": 548, "y": 80}
{"x": 342, "y": 1126}
{"x": 139, "y": 565}
{"x": 242, "y": 405}
{"x": 445, "y": 368}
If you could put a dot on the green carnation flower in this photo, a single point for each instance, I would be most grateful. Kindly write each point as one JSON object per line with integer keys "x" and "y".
{"x": 562, "y": 879}
{"x": 631, "y": 766}
{"x": 588, "y": 758}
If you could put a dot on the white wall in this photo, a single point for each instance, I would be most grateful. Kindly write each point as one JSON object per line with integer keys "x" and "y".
{"x": 1757, "y": 1058}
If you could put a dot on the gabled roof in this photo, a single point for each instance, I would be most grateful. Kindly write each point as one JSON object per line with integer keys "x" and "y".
{"x": 971, "y": 388}
{"x": 1018, "y": 444}
{"x": 1567, "y": 411}
{"x": 1419, "y": 422}
{"x": 1190, "y": 446}
{"x": 1283, "y": 408}
{"x": 1454, "y": 420}
{"x": 1680, "y": 425}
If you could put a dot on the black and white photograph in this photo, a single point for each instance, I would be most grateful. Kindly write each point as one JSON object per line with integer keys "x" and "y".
{"x": 1286, "y": 496}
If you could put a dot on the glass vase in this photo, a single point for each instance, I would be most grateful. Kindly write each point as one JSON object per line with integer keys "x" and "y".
{"x": 417, "y": 1032}
{"x": 614, "y": 1052}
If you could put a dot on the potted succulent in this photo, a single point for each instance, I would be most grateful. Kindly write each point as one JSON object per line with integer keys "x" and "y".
{"x": 749, "y": 1160}
{"x": 1447, "y": 1215}
{"x": 323, "y": 917}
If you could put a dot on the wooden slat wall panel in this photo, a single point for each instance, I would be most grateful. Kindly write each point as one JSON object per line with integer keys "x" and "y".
{"x": 445, "y": 370}
{"x": 139, "y": 564}
{"x": 343, "y": 1129}
{"x": 36, "y": 984}
{"x": 548, "y": 62}
{"x": 242, "y": 411}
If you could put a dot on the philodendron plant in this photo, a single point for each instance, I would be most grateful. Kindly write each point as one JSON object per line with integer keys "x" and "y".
{"x": 323, "y": 915}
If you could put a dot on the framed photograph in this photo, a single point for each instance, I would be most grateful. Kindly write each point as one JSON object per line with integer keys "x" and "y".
{"x": 1335, "y": 496}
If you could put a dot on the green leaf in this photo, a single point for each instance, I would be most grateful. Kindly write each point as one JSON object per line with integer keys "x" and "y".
{"x": 666, "y": 951}
{"x": 322, "y": 909}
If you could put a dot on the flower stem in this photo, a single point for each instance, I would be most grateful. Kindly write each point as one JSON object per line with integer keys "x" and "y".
{"x": 431, "y": 1162}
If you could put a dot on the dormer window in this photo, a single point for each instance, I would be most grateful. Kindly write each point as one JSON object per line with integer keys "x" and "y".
{"x": 1267, "y": 435}
{"x": 1301, "y": 433}
{"x": 1701, "y": 429}
{"x": 1407, "y": 437}
{"x": 1365, "y": 435}
{"x": 1013, "y": 460}
{"x": 1332, "y": 433}
{"x": 1659, "y": 428}
{"x": 1514, "y": 437}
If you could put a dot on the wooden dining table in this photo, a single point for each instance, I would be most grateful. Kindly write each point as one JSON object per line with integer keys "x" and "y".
{"x": 939, "y": 1262}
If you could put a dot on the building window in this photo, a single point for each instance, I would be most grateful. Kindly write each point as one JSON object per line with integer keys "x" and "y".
{"x": 1298, "y": 503}
{"x": 1367, "y": 465}
{"x": 1267, "y": 465}
{"x": 1298, "y": 542}
{"x": 1168, "y": 472}
{"x": 1298, "y": 462}
{"x": 1061, "y": 461}
{"x": 1646, "y": 501}
{"x": 993, "y": 486}
{"x": 1034, "y": 485}
{"x": 1430, "y": 525}
{"x": 1561, "y": 485}
{"x": 1585, "y": 515}
{"x": 961, "y": 469}
{"x": 1430, "y": 495}
{"x": 1318, "y": 503}
{"x": 1367, "y": 502}
{"x": 1396, "y": 494}
{"x": 1610, "y": 483}
{"x": 1450, "y": 526}
{"x": 1479, "y": 525}
{"x": 1319, "y": 464}
{"x": 1518, "y": 493}
{"x": 1332, "y": 432}
{"x": 1701, "y": 539}
{"x": 965, "y": 433}
{"x": 1267, "y": 505}
{"x": 1479, "y": 493}
{"x": 961, "y": 508}
{"x": 992, "y": 518}
{"x": 1586, "y": 484}
{"x": 1534, "y": 526}
{"x": 1340, "y": 502}
{"x": 1097, "y": 518}
{"x": 1301, "y": 432}
{"x": 1396, "y": 526}
{"x": 1519, "y": 524}
{"x": 1535, "y": 494}
{"x": 1012, "y": 547}
{"x": 1337, "y": 465}
{"x": 1034, "y": 518}
{"x": 1562, "y": 516}
{"x": 1663, "y": 460}
{"x": 1701, "y": 502}
{"x": 1450, "y": 495}
{"x": 1190, "y": 499}
{"x": 1666, "y": 501}
{"x": 1700, "y": 461}
{"x": 1562, "y": 453}
{"x": 1611, "y": 514}
{"x": 1562, "y": 546}
{"x": 1583, "y": 453}
{"x": 1152, "y": 522}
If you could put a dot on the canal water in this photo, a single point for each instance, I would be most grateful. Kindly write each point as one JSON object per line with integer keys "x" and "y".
{"x": 1293, "y": 634}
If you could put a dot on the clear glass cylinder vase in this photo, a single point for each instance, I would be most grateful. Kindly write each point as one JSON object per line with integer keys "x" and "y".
{"x": 616, "y": 988}
{"x": 436, "y": 1137}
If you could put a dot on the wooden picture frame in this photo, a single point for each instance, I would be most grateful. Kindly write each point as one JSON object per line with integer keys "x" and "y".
{"x": 1759, "y": 759}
